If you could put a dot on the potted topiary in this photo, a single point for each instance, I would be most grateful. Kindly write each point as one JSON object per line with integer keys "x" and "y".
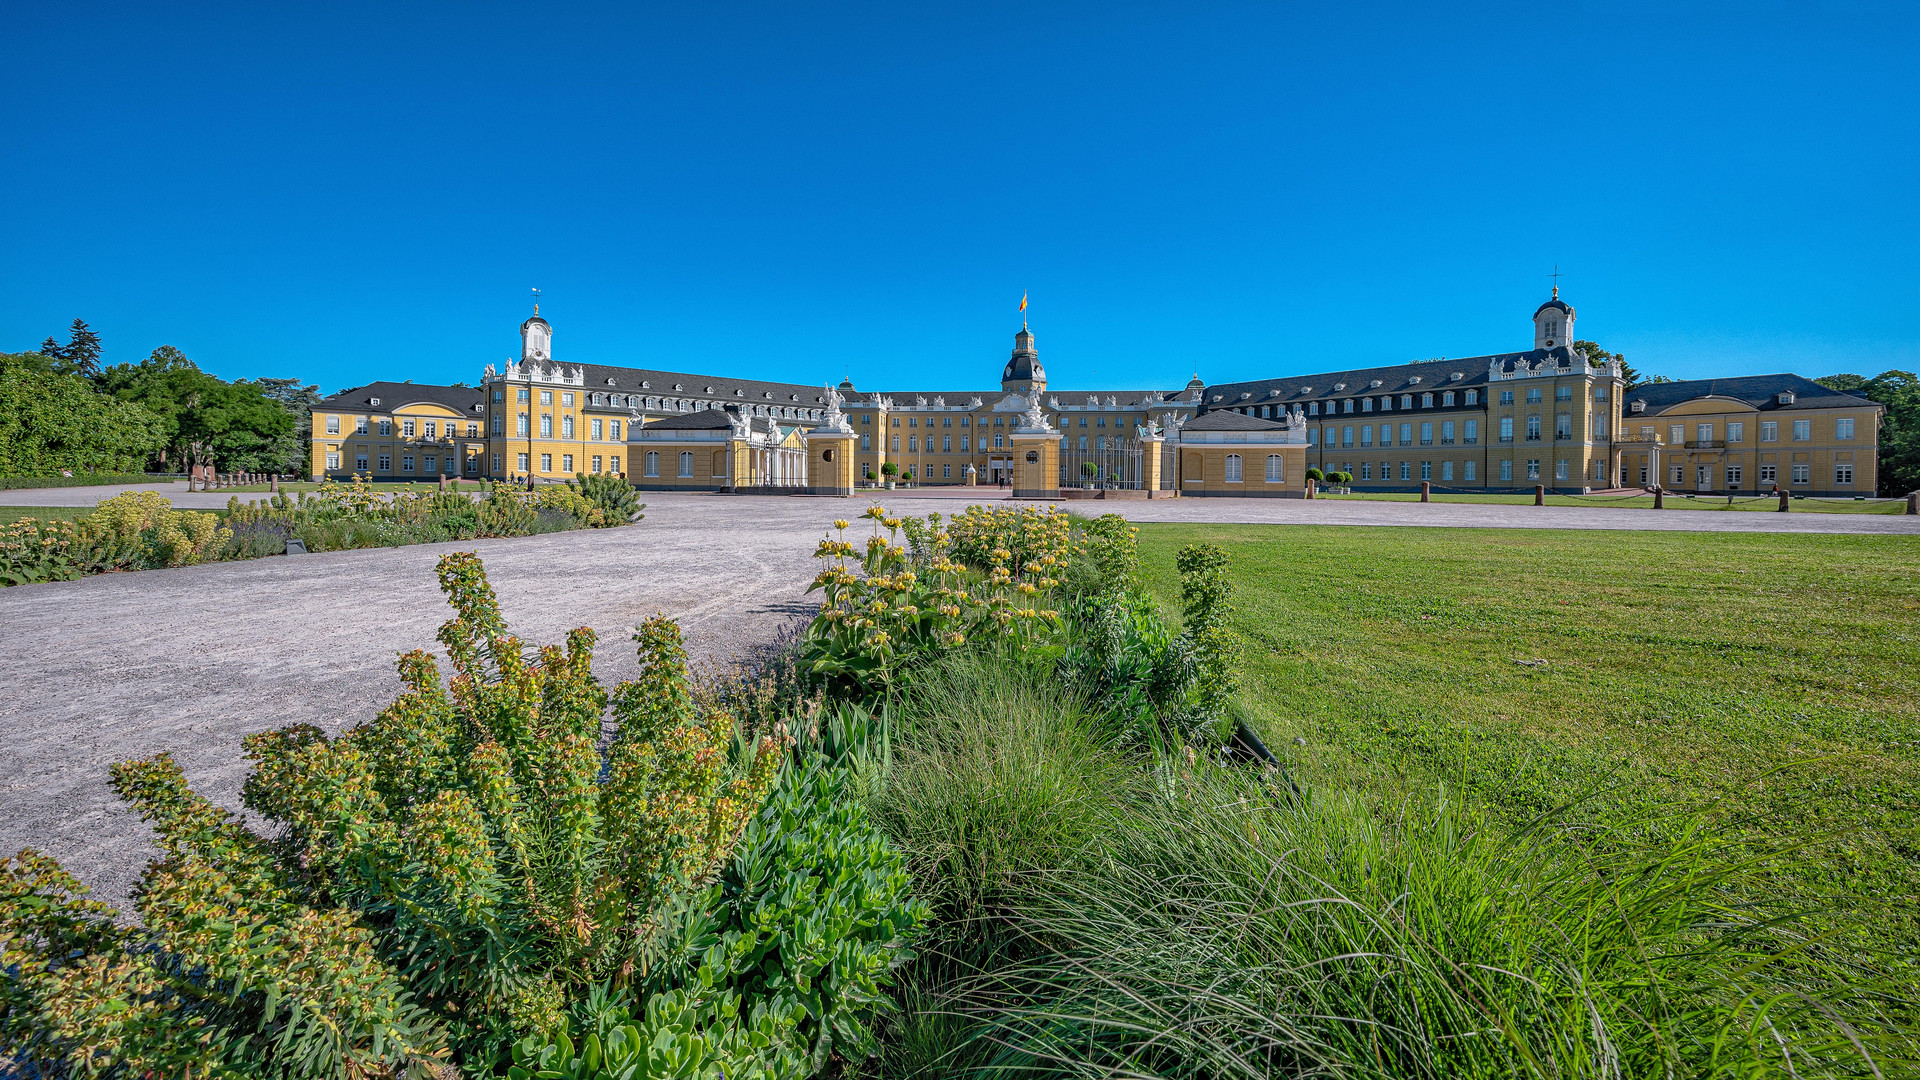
{"x": 890, "y": 470}
{"x": 1088, "y": 472}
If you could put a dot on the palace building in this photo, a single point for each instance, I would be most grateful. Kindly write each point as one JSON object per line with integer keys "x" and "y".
{"x": 1547, "y": 416}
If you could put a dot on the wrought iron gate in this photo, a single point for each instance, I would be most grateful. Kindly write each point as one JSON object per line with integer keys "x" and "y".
{"x": 1112, "y": 463}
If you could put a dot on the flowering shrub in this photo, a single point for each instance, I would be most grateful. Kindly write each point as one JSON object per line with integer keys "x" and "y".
{"x": 884, "y": 608}
{"x": 448, "y": 879}
{"x": 146, "y": 522}
{"x": 33, "y": 551}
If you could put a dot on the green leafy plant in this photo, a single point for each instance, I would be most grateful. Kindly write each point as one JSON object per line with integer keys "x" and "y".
{"x": 619, "y": 500}
{"x": 1316, "y": 475}
{"x": 680, "y": 1036}
{"x": 890, "y": 470}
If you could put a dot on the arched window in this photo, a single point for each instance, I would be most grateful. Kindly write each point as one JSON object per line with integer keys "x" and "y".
{"x": 686, "y": 463}
{"x": 1233, "y": 468}
{"x": 653, "y": 463}
{"x": 1276, "y": 469}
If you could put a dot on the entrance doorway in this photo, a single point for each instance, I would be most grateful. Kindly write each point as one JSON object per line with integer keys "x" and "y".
{"x": 1703, "y": 477}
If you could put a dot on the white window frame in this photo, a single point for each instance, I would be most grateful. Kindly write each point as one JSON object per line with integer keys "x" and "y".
{"x": 1233, "y": 468}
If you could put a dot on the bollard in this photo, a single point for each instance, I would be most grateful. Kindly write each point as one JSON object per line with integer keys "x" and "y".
{"x": 273, "y": 483}
{"x": 1539, "y": 494}
{"x": 1659, "y": 498}
{"x": 1783, "y": 501}
{"x": 1310, "y": 487}
{"x": 1913, "y": 504}
{"x": 1426, "y": 491}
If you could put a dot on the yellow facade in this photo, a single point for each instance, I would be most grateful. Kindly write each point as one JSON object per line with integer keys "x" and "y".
{"x": 398, "y": 432}
{"x": 1724, "y": 445}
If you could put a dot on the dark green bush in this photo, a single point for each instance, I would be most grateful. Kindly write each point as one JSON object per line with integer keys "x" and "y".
{"x": 815, "y": 907}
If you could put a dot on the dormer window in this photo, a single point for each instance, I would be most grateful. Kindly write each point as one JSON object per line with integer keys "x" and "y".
{"x": 375, "y": 402}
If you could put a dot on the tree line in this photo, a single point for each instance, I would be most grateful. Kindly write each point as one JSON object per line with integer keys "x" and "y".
{"x": 60, "y": 410}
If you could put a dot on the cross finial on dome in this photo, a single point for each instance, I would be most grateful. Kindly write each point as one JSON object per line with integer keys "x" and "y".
{"x": 536, "y": 301}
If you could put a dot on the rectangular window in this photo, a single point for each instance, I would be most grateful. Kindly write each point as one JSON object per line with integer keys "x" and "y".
{"x": 523, "y": 459}
{"x": 360, "y": 462}
{"x": 1366, "y": 470}
{"x": 1446, "y": 398}
{"x": 1313, "y": 408}
{"x": 1406, "y": 434}
{"x": 1533, "y": 468}
{"x": 1560, "y": 469}
{"x": 430, "y": 428}
{"x": 1736, "y": 431}
{"x": 1769, "y": 431}
{"x": 1600, "y": 392}
{"x": 546, "y": 397}
{"x": 499, "y": 424}
{"x": 566, "y": 399}
{"x": 1366, "y": 435}
{"x": 613, "y": 463}
{"x": 546, "y": 427}
{"x": 1802, "y": 430}
{"x": 1563, "y": 393}
{"x": 1506, "y": 429}
{"x": 1506, "y": 397}
{"x": 1366, "y": 405}
{"x": 963, "y": 441}
{"x": 524, "y": 395}
{"x": 913, "y": 443}
{"x": 1446, "y": 433}
{"x": 546, "y": 463}
{"x": 1802, "y": 474}
{"x": 946, "y": 472}
{"x": 521, "y": 427}
{"x": 596, "y": 432}
{"x": 1471, "y": 434}
{"x": 896, "y": 443}
{"x": 1233, "y": 468}
{"x": 1446, "y": 470}
{"x": 566, "y": 427}
{"x": 386, "y": 427}
{"x": 1473, "y": 397}
{"x": 566, "y": 463}
{"x": 333, "y": 425}
{"x": 1470, "y": 465}
{"x": 686, "y": 463}
{"x": 946, "y": 444}
{"x": 1563, "y": 426}
{"x": 1406, "y": 470}
{"x": 1426, "y": 433}
{"x": 1276, "y": 469}
{"x": 1506, "y": 469}
{"x": 333, "y": 462}
{"x": 1843, "y": 474}
{"x": 386, "y": 463}
{"x": 596, "y": 463}
{"x": 428, "y": 464}
{"x": 496, "y": 464}
{"x": 866, "y": 440}
{"x": 1426, "y": 470}
{"x": 1533, "y": 395}
{"x": 1703, "y": 432}
{"x": 1346, "y": 436}
{"x": 1426, "y": 401}
{"x": 1733, "y": 475}
{"x": 1600, "y": 426}
{"x": 1843, "y": 429}
{"x": 1533, "y": 428}
{"x": 359, "y": 425}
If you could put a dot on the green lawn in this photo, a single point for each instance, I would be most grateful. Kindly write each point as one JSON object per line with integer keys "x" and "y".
{"x": 11, "y": 514}
{"x": 1679, "y": 668}
{"x": 1674, "y": 501}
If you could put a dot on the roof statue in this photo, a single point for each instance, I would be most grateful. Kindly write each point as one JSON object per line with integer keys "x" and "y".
{"x": 835, "y": 420}
{"x": 1033, "y": 419}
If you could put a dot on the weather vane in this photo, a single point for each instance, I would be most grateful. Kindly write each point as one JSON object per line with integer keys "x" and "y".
{"x": 1556, "y": 275}
{"x": 536, "y": 299}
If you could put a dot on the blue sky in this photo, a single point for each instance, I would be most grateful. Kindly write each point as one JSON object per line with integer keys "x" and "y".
{"x": 342, "y": 194}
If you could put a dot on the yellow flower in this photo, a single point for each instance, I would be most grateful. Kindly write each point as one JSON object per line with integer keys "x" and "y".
{"x": 840, "y": 523}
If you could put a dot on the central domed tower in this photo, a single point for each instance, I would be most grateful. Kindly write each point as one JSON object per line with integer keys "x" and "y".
{"x": 1024, "y": 375}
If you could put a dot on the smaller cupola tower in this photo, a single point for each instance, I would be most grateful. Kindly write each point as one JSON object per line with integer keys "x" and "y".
{"x": 536, "y": 338}
{"x": 1553, "y": 323}
{"x": 1023, "y": 374}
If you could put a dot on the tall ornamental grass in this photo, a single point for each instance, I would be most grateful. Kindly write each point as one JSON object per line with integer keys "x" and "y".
{"x": 1105, "y": 915}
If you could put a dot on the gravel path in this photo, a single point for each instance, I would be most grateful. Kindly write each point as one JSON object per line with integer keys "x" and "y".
{"x": 190, "y": 660}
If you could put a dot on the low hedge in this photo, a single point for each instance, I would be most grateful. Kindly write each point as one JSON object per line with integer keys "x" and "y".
{"x": 15, "y": 483}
